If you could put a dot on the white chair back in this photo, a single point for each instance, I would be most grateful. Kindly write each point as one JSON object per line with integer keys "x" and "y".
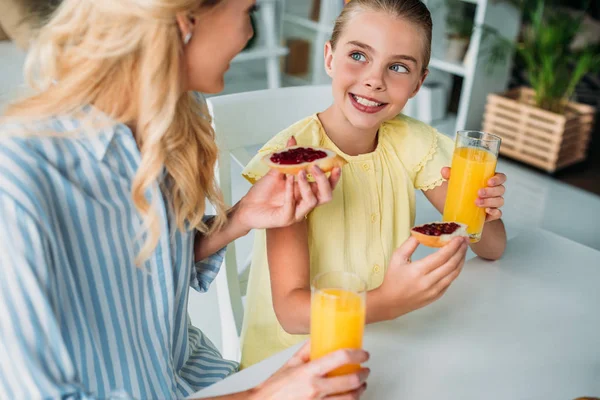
{"x": 243, "y": 123}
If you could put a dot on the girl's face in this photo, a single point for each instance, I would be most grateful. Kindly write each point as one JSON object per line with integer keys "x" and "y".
{"x": 219, "y": 33}
{"x": 376, "y": 67}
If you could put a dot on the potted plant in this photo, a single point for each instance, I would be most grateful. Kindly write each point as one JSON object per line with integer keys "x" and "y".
{"x": 540, "y": 125}
{"x": 459, "y": 26}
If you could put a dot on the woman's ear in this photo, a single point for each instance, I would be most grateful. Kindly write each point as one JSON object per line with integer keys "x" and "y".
{"x": 329, "y": 59}
{"x": 419, "y": 83}
{"x": 186, "y": 23}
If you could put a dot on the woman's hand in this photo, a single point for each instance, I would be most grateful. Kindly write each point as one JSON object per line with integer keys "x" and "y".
{"x": 302, "y": 379}
{"x": 279, "y": 200}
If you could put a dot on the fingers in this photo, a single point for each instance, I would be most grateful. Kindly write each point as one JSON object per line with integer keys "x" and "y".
{"x": 338, "y": 358}
{"x": 440, "y": 257}
{"x": 304, "y": 351}
{"x": 497, "y": 180}
{"x": 449, "y": 267}
{"x": 492, "y": 214}
{"x": 442, "y": 285}
{"x": 496, "y": 191}
{"x": 324, "y": 191}
{"x": 310, "y": 195}
{"x": 491, "y": 198}
{"x": 354, "y": 395}
{"x": 308, "y": 199}
{"x": 289, "y": 202}
{"x": 302, "y": 356}
{"x": 446, "y": 173}
{"x": 403, "y": 254}
{"x": 334, "y": 178}
{"x": 494, "y": 202}
{"x": 344, "y": 383}
{"x": 440, "y": 294}
{"x": 291, "y": 142}
{"x": 275, "y": 173}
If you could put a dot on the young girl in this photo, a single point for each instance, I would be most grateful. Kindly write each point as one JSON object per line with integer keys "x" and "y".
{"x": 113, "y": 147}
{"x": 377, "y": 59}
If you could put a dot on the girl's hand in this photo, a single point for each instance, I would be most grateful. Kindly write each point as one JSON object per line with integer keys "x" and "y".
{"x": 490, "y": 197}
{"x": 279, "y": 200}
{"x": 302, "y": 379}
{"x": 408, "y": 286}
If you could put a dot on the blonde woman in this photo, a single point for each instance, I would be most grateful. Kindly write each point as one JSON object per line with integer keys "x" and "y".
{"x": 104, "y": 173}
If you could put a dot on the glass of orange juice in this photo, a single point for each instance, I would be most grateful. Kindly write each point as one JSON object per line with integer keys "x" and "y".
{"x": 473, "y": 164}
{"x": 337, "y": 316}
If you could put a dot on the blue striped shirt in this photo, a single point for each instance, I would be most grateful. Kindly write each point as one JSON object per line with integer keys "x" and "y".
{"x": 78, "y": 319}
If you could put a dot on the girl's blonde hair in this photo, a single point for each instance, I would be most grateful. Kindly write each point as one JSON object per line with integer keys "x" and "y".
{"x": 414, "y": 11}
{"x": 125, "y": 57}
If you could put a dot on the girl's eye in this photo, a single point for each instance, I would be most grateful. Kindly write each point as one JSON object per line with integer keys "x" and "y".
{"x": 358, "y": 57}
{"x": 399, "y": 68}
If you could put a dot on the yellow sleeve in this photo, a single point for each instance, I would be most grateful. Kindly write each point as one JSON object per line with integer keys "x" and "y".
{"x": 423, "y": 150}
{"x": 307, "y": 133}
{"x": 428, "y": 171}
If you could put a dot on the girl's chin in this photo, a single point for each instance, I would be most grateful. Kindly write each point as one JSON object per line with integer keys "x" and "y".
{"x": 366, "y": 121}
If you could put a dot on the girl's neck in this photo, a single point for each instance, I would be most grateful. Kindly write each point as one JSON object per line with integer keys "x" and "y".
{"x": 349, "y": 139}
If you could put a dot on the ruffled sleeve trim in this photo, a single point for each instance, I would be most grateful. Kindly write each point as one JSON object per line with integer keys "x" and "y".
{"x": 432, "y": 150}
{"x": 432, "y": 185}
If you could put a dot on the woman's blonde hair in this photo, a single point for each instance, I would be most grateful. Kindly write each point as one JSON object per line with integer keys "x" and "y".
{"x": 414, "y": 11}
{"x": 125, "y": 57}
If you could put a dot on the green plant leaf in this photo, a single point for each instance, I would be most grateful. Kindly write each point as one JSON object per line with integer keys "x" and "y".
{"x": 553, "y": 69}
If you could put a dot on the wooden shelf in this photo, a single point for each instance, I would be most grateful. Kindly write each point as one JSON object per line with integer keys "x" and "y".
{"x": 447, "y": 66}
{"x": 307, "y": 23}
{"x": 260, "y": 53}
{"x": 297, "y": 23}
{"x": 476, "y": 82}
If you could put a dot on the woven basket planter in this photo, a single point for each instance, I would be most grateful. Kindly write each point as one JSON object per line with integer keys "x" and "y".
{"x": 537, "y": 137}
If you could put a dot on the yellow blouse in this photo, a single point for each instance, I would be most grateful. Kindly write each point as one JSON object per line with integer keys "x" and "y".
{"x": 372, "y": 211}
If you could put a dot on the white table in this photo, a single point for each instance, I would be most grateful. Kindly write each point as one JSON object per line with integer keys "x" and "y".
{"x": 524, "y": 327}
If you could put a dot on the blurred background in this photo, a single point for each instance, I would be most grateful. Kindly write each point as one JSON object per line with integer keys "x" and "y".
{"x": 486, "y": 53}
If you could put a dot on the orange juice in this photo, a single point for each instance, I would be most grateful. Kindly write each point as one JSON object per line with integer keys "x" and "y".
{"x": 471, "y": 169}
{"x": 337, "y": 321}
